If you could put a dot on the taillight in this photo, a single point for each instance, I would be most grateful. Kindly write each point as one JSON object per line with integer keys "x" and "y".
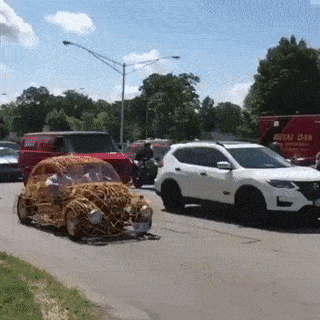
{"x": 160, "y": 163}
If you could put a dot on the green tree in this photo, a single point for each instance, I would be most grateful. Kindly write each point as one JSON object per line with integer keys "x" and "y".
{"x": 172, "y": 104}
{"x": 248, "y": 129}
{"x": 207, "y": 117}
{"x": 75, "y": 104}
{"x": 29, "y": 112}
{"x": 57, "y": 121}
{"x": 228, "y": 117}
{"x": 287, "y": 82}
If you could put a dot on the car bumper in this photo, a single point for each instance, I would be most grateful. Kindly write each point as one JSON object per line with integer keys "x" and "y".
{"x": 291, "y": 200}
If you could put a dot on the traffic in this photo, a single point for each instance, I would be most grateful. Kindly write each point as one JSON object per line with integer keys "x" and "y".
{"x": 255, "y": 180}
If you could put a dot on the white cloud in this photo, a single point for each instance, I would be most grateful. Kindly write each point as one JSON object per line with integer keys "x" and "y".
{"x": 162, "y": 66}
{"x": 234, "y": 94}
{"x": 79, "y": 23}
{"x": 13, "y": 29}
{"x": 238, "y": 92}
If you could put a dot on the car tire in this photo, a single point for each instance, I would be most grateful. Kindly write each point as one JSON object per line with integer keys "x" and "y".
{"x": 251, "y": 205}
{"x": 172, "y": 198}
{"x": 22, "y": 211}
{"x": 73, "y": 225}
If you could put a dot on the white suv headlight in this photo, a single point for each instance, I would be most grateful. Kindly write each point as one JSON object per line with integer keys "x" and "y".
{"x": 282, "y": 184}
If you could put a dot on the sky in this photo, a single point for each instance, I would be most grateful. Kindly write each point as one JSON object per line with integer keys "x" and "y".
{"x": 221, "y": 42}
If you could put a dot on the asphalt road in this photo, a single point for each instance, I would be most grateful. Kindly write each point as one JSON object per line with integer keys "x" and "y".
{"x": 204, "y": 264}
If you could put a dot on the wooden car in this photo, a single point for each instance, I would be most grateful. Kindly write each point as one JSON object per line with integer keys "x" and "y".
{"x": 103, "y": 205}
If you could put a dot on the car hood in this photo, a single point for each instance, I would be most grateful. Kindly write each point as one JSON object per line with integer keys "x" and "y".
{"x": 290, "y": 174}
{"x": 8, "y": 160}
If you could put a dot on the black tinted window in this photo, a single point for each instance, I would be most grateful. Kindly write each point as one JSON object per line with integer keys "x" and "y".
{"x": 89, "y": 143}
{"x": 202, "y": 156}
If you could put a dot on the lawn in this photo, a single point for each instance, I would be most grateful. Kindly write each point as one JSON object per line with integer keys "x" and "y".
{"x": 29, "y": 293}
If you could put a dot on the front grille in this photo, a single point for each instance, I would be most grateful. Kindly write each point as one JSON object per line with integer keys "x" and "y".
{"x": 310, "y": 189}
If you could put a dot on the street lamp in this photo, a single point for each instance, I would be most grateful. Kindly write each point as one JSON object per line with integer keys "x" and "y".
{"x": 122, "y": 72}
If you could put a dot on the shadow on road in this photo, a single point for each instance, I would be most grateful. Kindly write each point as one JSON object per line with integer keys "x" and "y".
{"x": 96, "y": 240}
{"x": 277, "y": 222}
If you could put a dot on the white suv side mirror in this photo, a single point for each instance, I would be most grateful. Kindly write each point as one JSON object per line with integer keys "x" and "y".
{"x": 224, "y": 165}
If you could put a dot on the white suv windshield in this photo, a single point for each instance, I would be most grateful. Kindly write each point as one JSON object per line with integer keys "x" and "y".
{"x": 258, "y": 158}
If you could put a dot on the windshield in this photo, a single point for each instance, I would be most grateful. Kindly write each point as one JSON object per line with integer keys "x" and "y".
{"x": 90, "y": 143}
{"x": 93, "y": 172}
{"x": 262, "y": 158}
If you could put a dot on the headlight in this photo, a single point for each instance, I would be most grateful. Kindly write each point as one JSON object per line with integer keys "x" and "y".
{"x": 146, "y": 212}
{"x": 283, "y": 184}
{"x": 95, "y": 216}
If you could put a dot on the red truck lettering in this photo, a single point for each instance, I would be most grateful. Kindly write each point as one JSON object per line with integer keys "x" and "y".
{"x": 297, "y": 135}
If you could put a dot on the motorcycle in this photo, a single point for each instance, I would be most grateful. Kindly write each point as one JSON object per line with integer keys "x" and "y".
{"x": 144, "y": 172}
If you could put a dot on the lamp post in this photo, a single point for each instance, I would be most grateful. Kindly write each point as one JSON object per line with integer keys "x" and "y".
{"x": 122, "y": 71}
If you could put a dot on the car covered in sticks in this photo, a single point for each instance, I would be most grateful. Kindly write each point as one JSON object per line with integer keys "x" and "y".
{"x": 85, "y": 196}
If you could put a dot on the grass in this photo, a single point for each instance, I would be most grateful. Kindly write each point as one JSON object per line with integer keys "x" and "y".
{"x": 29, "y": 293}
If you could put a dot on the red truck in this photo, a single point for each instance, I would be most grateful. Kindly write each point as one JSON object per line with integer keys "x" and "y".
{"x": 298, "y": 136}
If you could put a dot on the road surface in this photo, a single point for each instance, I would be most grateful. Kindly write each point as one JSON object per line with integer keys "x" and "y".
{"x": 201, "y": 265}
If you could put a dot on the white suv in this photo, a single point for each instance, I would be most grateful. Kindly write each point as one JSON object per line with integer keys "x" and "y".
{"x": 250, "y": 176}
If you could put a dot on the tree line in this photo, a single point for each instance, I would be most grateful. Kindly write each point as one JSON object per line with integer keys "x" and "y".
{"x": 168, "y": 107}
{"x": 287, "y": 82}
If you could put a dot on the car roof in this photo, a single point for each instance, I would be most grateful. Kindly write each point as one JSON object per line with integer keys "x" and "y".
{"x": 10, "y": 144}
{"x": 55, "y": 133}
{"x": 7, "y": 141}
{"x": 63, "y": 162}
{"x": 224, "y": 144}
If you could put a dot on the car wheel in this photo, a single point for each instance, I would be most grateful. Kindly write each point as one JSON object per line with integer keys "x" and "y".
{"x": 73, "y": 226}
{"x": 22, "y": 211}
{"x": 172, "y": 198}
{"x": 251, "y": 206}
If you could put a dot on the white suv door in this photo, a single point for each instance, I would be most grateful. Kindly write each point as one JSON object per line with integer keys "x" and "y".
{"x": 199, "y": 176}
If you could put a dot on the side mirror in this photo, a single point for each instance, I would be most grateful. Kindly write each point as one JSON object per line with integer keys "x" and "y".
{"x": 224, "y": 165}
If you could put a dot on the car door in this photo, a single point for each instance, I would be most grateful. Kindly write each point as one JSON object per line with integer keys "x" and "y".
{"x": 213, "y": 184}
{"x": 186, "y": 172}
{"x": 197, "y": 174}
